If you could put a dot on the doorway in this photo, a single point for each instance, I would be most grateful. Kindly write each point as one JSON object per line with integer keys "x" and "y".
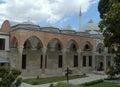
{"x": 101, "y": 66}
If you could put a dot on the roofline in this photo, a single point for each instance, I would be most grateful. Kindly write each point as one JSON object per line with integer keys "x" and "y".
{"x": 75, "y": 34}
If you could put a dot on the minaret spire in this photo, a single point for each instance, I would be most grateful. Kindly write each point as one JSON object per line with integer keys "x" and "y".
{"x": 80, "y": 19}
{"x": 80, "y": 13}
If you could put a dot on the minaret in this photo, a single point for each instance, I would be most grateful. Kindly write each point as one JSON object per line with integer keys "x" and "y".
{"x": 80, "y": 20}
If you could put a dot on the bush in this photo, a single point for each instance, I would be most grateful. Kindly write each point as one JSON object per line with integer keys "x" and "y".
{"x": 92, "y": 82}
{"x": 35, "y": 82}
{"x": 111, "y": 72}
{"x": 9, "y": 77}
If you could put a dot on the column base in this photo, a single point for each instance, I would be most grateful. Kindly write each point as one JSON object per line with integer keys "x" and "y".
{"x": 43, "y": 75}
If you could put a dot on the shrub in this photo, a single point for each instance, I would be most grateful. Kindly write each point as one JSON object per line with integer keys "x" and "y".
{"x": 9, "y": 77}
{"x": 35, "y": 82}
{"x": 111, "y": 72}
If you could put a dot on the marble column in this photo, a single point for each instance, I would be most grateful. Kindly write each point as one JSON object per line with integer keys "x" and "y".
{"x": 105, "y": 65}
{"x": 20, "y": 51}
{"x": 87, "y": 60}
{"x": 64, "y": 59}
{"x": 93, "y": 63}
{"x": 44, "y": 49}
{"x": 79, "y": 59}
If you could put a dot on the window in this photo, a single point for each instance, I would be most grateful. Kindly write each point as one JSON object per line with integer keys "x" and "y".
{"x": 2, "y": 44}
{"x": 108, "y": 63}
{"x": 90, "y": 60}
{"x": 73, "y": 47}
{"x": 58, "y": 47}
{"x": 75, "y": 61}
{"x": 60, "y": 61}
{"x": 100, "y": 50}
{"x": 41, "y": 59}
{"x": 87, "y": 47}
{"x": 46, "y": 61}
{"x": 23, "y": 61}
{"x": 84, "y": 60}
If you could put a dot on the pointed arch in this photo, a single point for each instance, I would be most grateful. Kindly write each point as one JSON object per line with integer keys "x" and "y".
{"x": 100, "y": 47}
{"x": 72, "y": 45}
{"x": 55, "y": 44}
{"x": 87, "y": 46}
{"x": 14, "y": 42}
{"x": 33, "y": 42}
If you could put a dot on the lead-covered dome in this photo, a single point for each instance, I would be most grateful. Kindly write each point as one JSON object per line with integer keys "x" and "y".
{"x": 91, "y": 26}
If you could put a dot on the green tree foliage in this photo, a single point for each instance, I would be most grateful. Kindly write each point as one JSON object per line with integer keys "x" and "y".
{"x": 110, "y": 26}
{"x": 103, "y": 7}
{"x": 9, "y": 78}
{"x": 111, "y": 72}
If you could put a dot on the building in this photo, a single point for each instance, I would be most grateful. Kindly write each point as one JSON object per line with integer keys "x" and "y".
{"x": 48, "y": 51}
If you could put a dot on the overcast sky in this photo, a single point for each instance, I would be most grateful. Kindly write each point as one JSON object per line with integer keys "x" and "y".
{"x": 57, "y": 13}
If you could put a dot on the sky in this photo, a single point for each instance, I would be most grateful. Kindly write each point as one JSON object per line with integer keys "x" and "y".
{"x": 57, "y": 13}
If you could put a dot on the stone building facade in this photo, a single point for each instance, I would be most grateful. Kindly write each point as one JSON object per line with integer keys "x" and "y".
{"x": 48, "y": 51}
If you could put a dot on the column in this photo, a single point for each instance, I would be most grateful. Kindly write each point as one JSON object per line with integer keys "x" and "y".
{"x": 64, "y": 59}
{"x": 20, "y": 51}
{"x": 93, "y": 63}
{"x": 105, "y": 63}
{"x": 79, "y": 59}
{"x": 44, "y": 49}
{"x": 87, "y": 60}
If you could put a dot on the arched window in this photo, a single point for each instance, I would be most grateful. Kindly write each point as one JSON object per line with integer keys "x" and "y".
{"x": 100, "y": 48}
{"x": 58, "y": 47}
{"x": 73, "y": 47}
{"x": 87, "y": 47}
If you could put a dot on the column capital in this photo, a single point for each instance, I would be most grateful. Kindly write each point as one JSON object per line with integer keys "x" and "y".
{"x": 44, "y": 49}
{"x": 64, "y": 50}
{"x": 20, "y": 49}
{"x": 79, "y": 50}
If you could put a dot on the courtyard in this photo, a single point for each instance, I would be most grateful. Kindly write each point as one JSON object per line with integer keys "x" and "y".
{"x": 91, "y": 77}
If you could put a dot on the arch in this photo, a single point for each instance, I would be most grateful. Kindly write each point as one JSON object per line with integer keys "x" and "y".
{"x": 87, "y": 46}
{"x": 55, "y": 44}
{"x": 100, "y": 47}
{"x": 14, "y": 42}
{"x": 33, "y": 42}
{"x": 72, "y": 45}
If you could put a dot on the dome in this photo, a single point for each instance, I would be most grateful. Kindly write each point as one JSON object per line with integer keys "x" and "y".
{"x": 12, "y": 23}
{"x": 93, "y": 32}
{"x": 27, "y": 22}
{"x": 68, "y": 27}
{"x": 90, "y": 26}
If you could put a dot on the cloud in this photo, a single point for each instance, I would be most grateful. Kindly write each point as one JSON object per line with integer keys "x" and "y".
{"x": 50, "y": 11}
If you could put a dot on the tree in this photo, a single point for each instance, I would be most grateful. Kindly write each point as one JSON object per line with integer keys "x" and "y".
{"x": 9, "y": 78}
{"x": 110, "y": 26}
{"x": 103, "y": 7}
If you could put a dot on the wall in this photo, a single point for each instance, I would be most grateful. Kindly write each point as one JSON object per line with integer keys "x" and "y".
{"x": 6, "y": 37}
